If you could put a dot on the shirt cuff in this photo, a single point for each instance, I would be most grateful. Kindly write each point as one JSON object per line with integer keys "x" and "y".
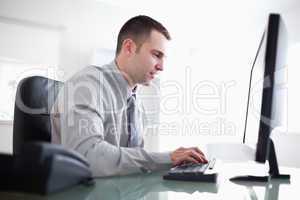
{"x": 162, "y": 157}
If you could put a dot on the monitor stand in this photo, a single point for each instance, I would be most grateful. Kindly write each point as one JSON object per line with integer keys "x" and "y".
{"x": 273, "y": 169}
{"x": 271, "y": 188}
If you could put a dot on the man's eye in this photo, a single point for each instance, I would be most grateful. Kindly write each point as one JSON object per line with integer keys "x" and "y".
{"x": 157, "y": 55}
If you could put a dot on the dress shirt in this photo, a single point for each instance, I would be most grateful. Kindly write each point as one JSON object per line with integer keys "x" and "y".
{"x": 90, "y": 116}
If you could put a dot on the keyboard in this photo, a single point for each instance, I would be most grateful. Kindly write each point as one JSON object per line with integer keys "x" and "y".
{"x": 193, "y": 172}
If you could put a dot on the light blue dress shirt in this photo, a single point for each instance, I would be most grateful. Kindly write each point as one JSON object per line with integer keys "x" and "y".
{"x": 90, "y": 116}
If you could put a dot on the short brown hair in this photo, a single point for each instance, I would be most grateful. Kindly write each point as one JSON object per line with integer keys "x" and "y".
{"x": 138, "y": 29}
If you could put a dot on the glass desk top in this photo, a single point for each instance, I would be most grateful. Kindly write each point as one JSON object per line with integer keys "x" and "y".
{"x": 152, "y": 186}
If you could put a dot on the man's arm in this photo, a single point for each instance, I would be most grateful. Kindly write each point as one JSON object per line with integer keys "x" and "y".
{"x": 107, "y": 159}
{"x": 82, "y": 127}
{"x": 86, "y": 136}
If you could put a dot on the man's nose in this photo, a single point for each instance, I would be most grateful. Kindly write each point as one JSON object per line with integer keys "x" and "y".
{"x": 159, "y": 66}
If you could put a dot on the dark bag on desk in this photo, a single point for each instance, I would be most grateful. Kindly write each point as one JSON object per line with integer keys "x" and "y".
{"x": 43, "y": 168}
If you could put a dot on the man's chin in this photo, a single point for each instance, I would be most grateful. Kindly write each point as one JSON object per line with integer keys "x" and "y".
{"x": 146, "y": 83}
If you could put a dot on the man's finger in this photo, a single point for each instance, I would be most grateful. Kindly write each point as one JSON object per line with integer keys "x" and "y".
{"x": 191, "y": 159}
{"x": 202, "y": 154}
{"x": 195, "y": 155}
{"x": 203, "y": 159}
{"x": 198, "y": 150}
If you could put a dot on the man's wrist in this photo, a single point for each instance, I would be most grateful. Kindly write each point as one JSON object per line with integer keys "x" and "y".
{"x": 162, "y": 157}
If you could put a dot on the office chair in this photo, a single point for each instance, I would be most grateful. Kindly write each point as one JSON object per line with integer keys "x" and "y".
{"x": 49, "y": 167}
{"x": 34, "y": 99}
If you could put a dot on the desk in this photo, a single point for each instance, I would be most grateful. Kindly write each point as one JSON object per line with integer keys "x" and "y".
{"x": 152, "y": 186}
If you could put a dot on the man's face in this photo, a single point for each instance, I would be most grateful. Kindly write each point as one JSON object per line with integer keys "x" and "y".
{"x": 149, "y": 60}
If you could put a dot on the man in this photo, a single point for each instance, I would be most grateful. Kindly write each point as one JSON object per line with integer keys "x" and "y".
{"x": 96, "y": 114}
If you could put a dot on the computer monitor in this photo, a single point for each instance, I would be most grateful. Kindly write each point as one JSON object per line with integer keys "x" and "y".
{"x": 274, "y": 106}
{"x": 266, "y": 106}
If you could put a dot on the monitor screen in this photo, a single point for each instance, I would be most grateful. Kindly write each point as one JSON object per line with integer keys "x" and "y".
{"x": 266, "y": 107}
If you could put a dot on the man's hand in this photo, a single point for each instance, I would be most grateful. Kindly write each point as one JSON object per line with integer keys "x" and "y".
{"x": 183, "y": 155}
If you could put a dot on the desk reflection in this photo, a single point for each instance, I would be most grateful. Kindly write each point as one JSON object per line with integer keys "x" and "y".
{"x": 138, "y": 186}
{"x": 272, "y": 188}
{"x": 131, "y": 187}
{"x": 150, "y": 186}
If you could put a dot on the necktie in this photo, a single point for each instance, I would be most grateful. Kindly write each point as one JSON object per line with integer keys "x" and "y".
{"x": 132, "y": 122}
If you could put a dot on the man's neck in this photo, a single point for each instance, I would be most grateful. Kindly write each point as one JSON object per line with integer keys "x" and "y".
{"x": 122, "y": 68}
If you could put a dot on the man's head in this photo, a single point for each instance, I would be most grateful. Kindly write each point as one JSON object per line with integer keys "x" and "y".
{"x": 141, "y": 49}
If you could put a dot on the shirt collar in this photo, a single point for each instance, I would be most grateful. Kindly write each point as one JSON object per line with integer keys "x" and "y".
{"x": 123, "y": 83}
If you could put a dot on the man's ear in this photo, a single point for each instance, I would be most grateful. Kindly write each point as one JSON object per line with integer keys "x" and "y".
{"x": 129, "y": 46}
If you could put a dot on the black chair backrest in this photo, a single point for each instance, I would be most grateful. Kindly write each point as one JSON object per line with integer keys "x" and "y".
{"x": 34, "y": 99}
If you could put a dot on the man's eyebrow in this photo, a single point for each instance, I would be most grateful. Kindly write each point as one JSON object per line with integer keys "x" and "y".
{"x": 161, "y": 54}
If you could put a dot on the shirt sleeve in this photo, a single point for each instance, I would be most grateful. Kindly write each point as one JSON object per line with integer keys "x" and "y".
{"x": 107, "y": 159}
{"x": 82, "y": 129}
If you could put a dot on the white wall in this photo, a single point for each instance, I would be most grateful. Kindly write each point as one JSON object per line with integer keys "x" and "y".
{"x": 6, "y": 137}
{"x": 214, "y": 45}
{"x": 85, "y": 25}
